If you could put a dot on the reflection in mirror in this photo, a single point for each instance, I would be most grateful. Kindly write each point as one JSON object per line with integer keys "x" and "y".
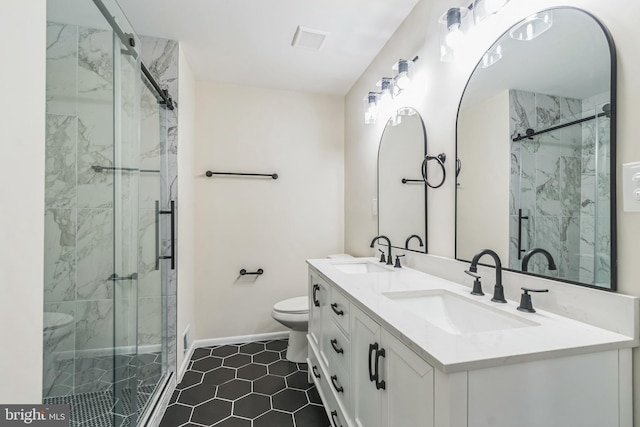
{"x": 535, "y": 136}
{"x": 401, "y": 190}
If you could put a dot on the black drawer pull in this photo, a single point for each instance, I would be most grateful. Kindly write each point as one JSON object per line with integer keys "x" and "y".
{"x": 336, "y": 385}
{"x": 334, "y": 344}
{"x": 334, "y": 416}
{"x": 379, "y": 384}
{"x": 316, "y": 288}
{"x": 334, "y": 307}
{"x": 372, "y": 349}
{"x": 315, "y": 371}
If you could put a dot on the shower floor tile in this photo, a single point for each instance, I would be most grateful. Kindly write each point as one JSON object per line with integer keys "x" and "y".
{"x": 248, "y": 385}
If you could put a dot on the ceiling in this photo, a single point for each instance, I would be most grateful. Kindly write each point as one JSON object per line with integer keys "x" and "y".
{"x": 248, "y": 42}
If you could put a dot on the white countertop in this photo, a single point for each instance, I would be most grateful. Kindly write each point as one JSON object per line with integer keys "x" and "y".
{"x": 553, "y": 336}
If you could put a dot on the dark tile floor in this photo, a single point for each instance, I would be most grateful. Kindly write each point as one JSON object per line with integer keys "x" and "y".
{"x": 245, "y": 385}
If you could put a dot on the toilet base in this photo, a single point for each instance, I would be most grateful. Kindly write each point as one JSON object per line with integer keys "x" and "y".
{"x": 297, "y": 349}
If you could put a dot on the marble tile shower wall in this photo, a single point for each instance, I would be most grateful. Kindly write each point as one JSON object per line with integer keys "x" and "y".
{"x": 560, "y": 179}
{"x": 595, "y": 215}
{"x": 79, "y": 206}
{"x": 546, "y": 181}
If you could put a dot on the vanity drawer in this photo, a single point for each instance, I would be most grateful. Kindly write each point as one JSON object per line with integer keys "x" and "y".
{"x": 336, "y": 346}
{"x": 339, "y": 305}
{"x": 335, "y": 410}
{"x": 339, "y": 385}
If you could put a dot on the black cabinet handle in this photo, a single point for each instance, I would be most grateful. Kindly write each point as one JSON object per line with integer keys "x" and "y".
{"x": 334, "y": 307}
{"x": 315, "y": 371}
{"x": 336, "y": 384}
{"x": 334, "y": 344}
{"x": 334, "y": 416}
{"x": 373, "y": 348}
{"x": 379, "y": 384}
{"x": 316, "y": 288}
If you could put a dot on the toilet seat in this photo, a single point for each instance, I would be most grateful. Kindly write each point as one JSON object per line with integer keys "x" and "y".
{"x": 297, "y": 305}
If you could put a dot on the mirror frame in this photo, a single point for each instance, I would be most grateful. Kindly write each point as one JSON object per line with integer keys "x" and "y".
{"x": 426, "y": 226}
{"x": 612, "y": 161}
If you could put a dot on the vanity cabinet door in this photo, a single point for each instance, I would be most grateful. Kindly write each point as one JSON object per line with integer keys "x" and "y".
{"x": 409, "y": 395}
{"x": 366, "y": 398}
{"x": 318, "y": 300}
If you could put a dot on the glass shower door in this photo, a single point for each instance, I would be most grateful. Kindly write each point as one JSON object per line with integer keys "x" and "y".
{"x": 125, "y": 254}
{"x": 154, "y": 219}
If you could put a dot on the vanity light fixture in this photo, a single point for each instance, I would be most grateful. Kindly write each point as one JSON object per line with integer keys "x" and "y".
{"x": 532, "y": 27}
{"x": 402, "y": 81}
{"x": 386, "y": 85}
{"x": 482, "y": 9}
{"x": 451, "y": 36}
{"x": 371, "y": 108}
{"x": 490, "y": 57}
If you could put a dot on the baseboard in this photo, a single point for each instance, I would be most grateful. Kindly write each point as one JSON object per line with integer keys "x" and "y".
{"x": 209, "y": 342}
{"x": 185, "y": 362}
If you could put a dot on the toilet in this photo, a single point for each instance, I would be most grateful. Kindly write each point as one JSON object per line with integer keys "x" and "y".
{"x": 294, "y": 314}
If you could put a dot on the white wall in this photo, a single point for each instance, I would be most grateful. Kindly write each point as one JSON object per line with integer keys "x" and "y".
{"x": 256, "y": 223}
{"x": 436, "y": 97}
{"x": 22, "y": 113}
{"x": 484, "y": 215}
{"x": 186, "y": 209}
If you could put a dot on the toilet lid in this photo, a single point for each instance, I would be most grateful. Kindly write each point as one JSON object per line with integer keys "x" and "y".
{"x": 293, "y": 305}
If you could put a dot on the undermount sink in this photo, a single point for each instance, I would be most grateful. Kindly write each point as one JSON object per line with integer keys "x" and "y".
{"x": 361, "y": 268}
{"x": 455, "y": 313}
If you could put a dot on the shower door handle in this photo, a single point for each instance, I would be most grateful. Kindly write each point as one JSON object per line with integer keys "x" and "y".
{"x": 172, "y": 212}
{"x": 520, "y": 218}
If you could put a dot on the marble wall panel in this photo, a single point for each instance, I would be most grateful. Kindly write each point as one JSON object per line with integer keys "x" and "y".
{"x": 94, "y": 325}
{"x": 60, "y": 255}
{"x": 95, "y": 262}
{"x": 95, "y": 117}
{"x": 149, "y": 279}
{"x": 60, "y": 161}
{"x": 62, "y": 61}
{"x": 150, "y": 320}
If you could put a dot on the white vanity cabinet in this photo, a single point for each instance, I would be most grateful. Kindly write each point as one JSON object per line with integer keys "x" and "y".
{"x": 369, "y": 372}
{"x": 392, "y": 386}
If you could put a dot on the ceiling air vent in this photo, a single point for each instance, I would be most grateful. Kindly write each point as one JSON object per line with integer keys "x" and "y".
{"x": 307, "y": 38}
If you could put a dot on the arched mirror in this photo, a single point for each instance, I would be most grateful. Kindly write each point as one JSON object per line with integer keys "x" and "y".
{"x": 536, "y": 142}
{"x": 401, "y": 190}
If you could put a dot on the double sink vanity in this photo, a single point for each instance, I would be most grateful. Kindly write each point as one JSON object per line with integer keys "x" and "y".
{"x": 400, "y": 347}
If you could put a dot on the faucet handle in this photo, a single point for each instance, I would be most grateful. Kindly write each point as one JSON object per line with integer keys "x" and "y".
{"x": 398, "y": 265}
{"x": 382, "y": 257}
{"x": 525, "y": 300}
{"x": 475, "y": 276}
{"x": 477, "y": 286}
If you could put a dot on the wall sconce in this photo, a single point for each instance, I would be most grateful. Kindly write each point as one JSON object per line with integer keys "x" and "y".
{"x": 490, "y": 57}
{"x": 371, "y": 108}
{"x": 402, "y": 81}
{"x": 532, "y": 27}
{"x": 484, "y": 8}
{"x": 451, "y": 36}
{"x": 386, "y": 85}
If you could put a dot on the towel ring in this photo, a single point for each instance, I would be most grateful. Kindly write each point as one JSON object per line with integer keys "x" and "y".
{"x": 440, "y": 158}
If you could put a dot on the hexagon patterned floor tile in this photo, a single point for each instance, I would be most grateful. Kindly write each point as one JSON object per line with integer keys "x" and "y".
{"x": 245, "y": 385}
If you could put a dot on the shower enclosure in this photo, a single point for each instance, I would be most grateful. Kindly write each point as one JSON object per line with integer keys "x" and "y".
{"x": 109, "y": 330}
{"x": 559, "y": 186}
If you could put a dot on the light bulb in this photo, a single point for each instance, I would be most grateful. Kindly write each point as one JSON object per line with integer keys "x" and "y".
{"x": 403, "y": 81}
{"x": 454, "y": 37}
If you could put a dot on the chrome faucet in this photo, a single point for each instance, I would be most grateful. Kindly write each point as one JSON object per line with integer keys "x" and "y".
{"x": 498, "y": 290}
{"x": 413, "y": 236}
{"x": 375, "y": 239}
{"x": 532, "y": 252}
